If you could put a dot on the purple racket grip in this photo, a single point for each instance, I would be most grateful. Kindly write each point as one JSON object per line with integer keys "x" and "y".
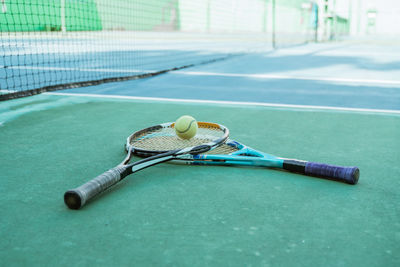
{"x": 348, "y": 175}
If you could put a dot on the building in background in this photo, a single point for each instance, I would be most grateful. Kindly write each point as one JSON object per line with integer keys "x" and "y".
{"x": 286, "y": 21}
{"x": 375, "y": 17}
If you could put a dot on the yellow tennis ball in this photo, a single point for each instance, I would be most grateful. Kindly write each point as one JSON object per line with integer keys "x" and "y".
{"x": 186, "y": 127}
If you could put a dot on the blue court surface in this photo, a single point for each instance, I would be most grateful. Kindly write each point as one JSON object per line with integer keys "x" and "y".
{"x": 340, "y": 75}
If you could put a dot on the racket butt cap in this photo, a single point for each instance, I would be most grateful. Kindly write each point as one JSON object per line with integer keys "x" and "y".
{"x": 73, "y": 200}
{"x": 355, "y": 176}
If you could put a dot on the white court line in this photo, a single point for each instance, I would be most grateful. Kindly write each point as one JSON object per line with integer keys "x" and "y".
{"x": 200, "y": 73}
{"x": 235, "y": 103}
{"x": 80, "y": 69}
{"x": 4, "y": 91}
{"x": 289, "y": 77}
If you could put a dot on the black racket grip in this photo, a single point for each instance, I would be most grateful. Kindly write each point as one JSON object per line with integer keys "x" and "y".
{"x": 349, "y": 175}
{"x": 77, "y": 198}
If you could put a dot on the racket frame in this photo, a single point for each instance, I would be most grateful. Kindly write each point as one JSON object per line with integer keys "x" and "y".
{"x": 78, "y": 197}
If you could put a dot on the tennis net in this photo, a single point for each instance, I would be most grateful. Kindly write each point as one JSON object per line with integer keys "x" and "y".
{"x": 49, "y": 45}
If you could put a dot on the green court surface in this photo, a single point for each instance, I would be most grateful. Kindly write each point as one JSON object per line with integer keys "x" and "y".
{"x": 171, "y": 215}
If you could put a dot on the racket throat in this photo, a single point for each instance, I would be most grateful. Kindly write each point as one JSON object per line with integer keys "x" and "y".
{"x": 140, "y": 165}
{"x": 268, "y": 162}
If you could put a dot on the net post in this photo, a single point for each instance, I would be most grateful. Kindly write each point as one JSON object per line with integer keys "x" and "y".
{"x": 62, "y": 15}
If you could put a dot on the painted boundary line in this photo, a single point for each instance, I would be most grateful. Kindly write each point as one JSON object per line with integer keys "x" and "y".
{"x": 289, "y": 77}
{"x": 234, "y": 103}
{"x": 79, "y": 69}
{"x": 216, "y": 74}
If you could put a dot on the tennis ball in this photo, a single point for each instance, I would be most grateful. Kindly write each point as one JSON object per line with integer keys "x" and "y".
{"x": 186, "y": 127}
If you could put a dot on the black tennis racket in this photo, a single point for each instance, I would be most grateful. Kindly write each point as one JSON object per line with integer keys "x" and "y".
{"x": 158, "y": 144}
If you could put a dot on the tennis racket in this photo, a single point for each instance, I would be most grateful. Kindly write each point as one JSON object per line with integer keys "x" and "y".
{"x": 157, "y": 144}
{"x": 234, "y": 153}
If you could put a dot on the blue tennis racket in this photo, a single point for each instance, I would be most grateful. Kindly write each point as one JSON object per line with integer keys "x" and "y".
{"x": 233, "y": 153}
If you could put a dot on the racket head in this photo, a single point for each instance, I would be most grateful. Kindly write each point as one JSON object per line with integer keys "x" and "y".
{"x": 159, "y": 139}
{"x": 230, "y": 147}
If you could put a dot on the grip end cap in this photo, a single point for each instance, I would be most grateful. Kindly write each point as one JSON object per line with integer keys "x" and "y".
{"x": 355, "y": 175}
{"x": 73, "y": 200}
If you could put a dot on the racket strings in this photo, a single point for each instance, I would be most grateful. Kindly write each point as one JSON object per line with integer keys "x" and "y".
{"x": 223, "y": 149}
{"x": 165, "y": 139}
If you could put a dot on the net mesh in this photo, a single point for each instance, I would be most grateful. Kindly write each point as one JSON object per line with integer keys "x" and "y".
{"x": 56, "y": 44}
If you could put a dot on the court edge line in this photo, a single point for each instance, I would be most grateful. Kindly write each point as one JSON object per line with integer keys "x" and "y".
{"x": 288, "y": 77}
{"x": 235, "y": 103}
{"x": 216, "y": 74}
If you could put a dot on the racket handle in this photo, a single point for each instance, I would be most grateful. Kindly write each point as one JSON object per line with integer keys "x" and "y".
{"x": 76, "y": 198}
{"x": 348, "y": 175}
